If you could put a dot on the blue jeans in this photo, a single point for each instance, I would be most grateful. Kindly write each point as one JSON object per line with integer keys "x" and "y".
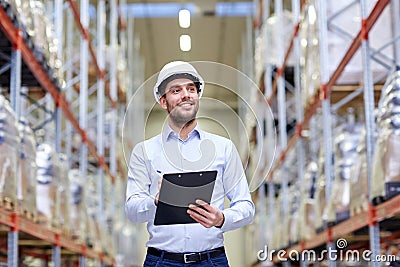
{"x": 154, "y": 261}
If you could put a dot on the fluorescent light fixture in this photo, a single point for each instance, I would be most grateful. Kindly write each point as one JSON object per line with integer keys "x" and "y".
{"x": 184, "y": 18}
{"x": 312, "y": 15}
{"x": 170, "y": 9}
{"x": 185, "y": 42}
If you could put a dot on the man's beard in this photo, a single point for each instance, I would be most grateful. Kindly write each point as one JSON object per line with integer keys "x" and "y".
{"x": 179, "y": 117}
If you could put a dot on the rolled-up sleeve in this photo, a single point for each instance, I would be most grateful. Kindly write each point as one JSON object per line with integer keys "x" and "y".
{"x": 139, "y": 205}
{"x": 241, "y": 210}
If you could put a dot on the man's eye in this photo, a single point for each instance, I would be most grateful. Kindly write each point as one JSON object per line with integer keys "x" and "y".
{"x": 176, "y": 91}
{"x": 192, "y": 89}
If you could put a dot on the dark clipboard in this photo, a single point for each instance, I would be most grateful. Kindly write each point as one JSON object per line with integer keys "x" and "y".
{"x": 178, "y": 190}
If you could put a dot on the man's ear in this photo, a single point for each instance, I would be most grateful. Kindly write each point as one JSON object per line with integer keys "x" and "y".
{"x": 163, "y": 102}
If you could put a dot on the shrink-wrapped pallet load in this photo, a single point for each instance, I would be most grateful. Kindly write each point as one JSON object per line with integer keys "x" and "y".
{"x": 27, "y": 182}
{"x": 345, "y": 151}
{"x": 386, "y": 166}
{"x": 9, "y": 154}
{"x": 77, "y": 218}
{"x": 320, "y": 193}
{"x": 63, "y": 195}
{"x": 128, "y": 244}
{"x": 278, "y": 242}
{"x": 294, "y": 213}
{"x": 93, "y": 232}
{"x": 48, "y": 173}
{"x": 308, "y": 206}
{"x": 359, "y": 181}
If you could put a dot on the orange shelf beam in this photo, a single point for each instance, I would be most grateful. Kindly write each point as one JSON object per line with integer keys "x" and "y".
{"x": 388, "y": 208}
{"x": 41, "y": 232}
{"x": 383, "y": 211}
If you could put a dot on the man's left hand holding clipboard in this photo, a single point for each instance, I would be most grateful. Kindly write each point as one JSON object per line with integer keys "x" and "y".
{"x": 200, "y": 211}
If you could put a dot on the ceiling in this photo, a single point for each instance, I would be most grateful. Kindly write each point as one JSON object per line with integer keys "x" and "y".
{"x": 214, "y": 38}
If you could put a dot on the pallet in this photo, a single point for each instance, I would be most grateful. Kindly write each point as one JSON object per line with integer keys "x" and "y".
{"x": 357, "y": 209}
{"x": 8, "y": 204}
{"x": 30, "y": 215}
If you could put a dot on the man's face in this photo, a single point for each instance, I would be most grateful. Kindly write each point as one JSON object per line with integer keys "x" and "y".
{"x": 181, "y": 100}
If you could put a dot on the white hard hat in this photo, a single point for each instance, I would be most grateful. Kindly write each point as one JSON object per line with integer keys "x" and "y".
{"x": 175, "y": 68}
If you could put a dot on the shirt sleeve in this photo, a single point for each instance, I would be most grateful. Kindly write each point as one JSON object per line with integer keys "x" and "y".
{"x": 241, "y": 210}
{"x": 139, "y": 205}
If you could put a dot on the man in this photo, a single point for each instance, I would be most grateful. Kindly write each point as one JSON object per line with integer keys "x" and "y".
{"x": 183, "y": 147}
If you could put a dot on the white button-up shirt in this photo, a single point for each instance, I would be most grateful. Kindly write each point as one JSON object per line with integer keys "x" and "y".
{"x": 201, "y": 151}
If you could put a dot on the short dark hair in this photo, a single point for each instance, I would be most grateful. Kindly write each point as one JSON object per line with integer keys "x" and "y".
{"x": 163, "y": 85}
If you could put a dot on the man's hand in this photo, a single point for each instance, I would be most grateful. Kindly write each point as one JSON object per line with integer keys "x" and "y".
{"x": 205, "y": 214}
{"x": 158, "y": 194}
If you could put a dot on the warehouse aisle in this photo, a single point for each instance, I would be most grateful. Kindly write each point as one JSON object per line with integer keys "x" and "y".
{"x": 308, "y": 91}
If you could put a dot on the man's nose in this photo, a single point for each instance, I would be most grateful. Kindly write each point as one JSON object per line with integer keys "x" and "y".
{"x": 185, "y": 92}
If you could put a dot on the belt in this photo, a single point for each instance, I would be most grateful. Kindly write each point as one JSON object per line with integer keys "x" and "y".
{"x": 186, "y": 257}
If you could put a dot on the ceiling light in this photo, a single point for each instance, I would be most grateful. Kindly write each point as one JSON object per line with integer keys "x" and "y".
{"x": 185, "y": 42}
{"x": 184, "y": 18}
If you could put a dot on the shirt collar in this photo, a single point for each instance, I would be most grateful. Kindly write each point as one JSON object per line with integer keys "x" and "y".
{"x": 168, "y": 133}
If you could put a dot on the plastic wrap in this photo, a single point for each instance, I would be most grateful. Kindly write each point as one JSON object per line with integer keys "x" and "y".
{"x": 345, "y": 149}
{"x": 76, "y": 202}
{"x": 359, "y": 181}
{"x": 279, "y": 231}
{"x": 27, "y": 171}
{"x": 63, "y": 195}
{"x": 92, "y": 207}
{"x": 48, "y": 173}
{"x": 294, "y": 213}
{"x": 320, "y": 196}
{"x": 24, "y": 8}
{"x": 309, "y": 62}
{"x": 386, "y": 166}
{"x": 129, "y": 247}
{"x": 9, "y": 153}
{"x": 308, "y": 222}
{"x": 284, "y": 223}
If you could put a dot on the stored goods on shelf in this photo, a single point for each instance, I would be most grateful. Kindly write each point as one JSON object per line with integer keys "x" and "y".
{"x": 308, "y": 206}
{"x": 129, "y": 250}
{"x": 277, "y": 239}
{"x": 270, "y": 31}
{"x": 359, "y": 181}
{"x": 92, "y": 231}
{"x": 309, "y": 60}
{"x": 63, "y": 195}
{"x": 48, "y": 176}
{"x": 294, "y": 213}
{"x": 27, "y": 182}
{"x": 39, "y": 35}
{"x": 386, "y": 168}
{"x": 9, "y": 154}
{"x": 345, "y": 151}
{"x": 76, "y": 202}
{"x": 320, "y": 195}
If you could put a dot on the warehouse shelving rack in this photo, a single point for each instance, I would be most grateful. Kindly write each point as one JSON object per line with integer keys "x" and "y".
{"x": 322, "y": 98}
{"x": 23, "y": 60}
{"x": 375, "y": 215}
{"x": 53, "y": 237}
